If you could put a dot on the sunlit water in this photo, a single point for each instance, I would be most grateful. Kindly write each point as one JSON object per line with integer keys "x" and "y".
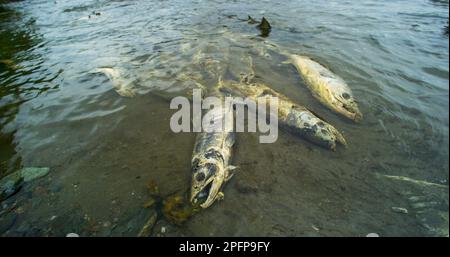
{"x": 102, "y": 148}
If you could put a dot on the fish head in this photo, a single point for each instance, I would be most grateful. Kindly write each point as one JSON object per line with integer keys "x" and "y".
{"x": 206, "y": 183}
{"x": 346, "y": 105}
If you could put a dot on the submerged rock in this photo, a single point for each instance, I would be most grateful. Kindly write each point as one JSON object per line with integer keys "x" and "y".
{"x": 32, "y": 173}
{"x": 11, "y": 183}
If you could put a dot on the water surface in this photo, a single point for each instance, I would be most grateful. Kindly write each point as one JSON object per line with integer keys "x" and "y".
{"x": 103, "y": 148}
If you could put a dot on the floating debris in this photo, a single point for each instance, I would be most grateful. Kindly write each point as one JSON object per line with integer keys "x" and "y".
{"x": 121, "y": 85}
{"x": 250, "y": 20}
{"x": 400, "y": 210}
{"x": 264, "y": 27}
{"x": 315, "y": 228}
{"x": 429, "y": 203}
{"x": 415, "y": 181}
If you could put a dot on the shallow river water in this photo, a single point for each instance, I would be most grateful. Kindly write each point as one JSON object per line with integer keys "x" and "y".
{"x": 103, "y": 148}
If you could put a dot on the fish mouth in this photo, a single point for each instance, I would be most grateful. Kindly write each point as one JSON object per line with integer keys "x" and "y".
{"x": 209, "y": 193}
{"x": 202, "y": 196}
{"x": 353, "y": 113}
{"x": 350, "y": 111}
{"x": 206, "y": 196}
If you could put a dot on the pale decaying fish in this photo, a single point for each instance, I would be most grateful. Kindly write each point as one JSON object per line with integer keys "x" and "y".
{"x": 296, "y": 118}
{"x": 121, "y": 85}
{"x": 328, "y": 88}
{"x": 211, "y": 161}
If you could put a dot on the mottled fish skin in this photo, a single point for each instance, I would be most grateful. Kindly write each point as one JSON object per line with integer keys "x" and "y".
{"x": 211, "y": 162}
{"x": 328, "y": 88}
{"x": 296, "y": 118}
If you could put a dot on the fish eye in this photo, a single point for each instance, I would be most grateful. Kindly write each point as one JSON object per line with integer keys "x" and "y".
{"x": 346, "y": 96}
{"x": 200, "y": 176}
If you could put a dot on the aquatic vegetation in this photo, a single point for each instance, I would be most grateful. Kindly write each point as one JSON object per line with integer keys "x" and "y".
{"x": 174, "y": 208}
{"x": 150, "y": 202}
{"x": 153, "y": 188}
{"x": 177, "y": 209}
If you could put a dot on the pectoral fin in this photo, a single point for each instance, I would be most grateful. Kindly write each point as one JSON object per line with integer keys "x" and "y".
{"x": 220, "y": 196}
{"x": 230, "y": 172}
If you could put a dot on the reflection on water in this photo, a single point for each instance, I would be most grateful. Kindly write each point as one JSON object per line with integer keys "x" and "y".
{"x": 17, "y": 37}
{"x": 57, "y": 112}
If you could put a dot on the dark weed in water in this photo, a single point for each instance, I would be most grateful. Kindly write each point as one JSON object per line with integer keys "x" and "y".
{"x": 175, "y": 208}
